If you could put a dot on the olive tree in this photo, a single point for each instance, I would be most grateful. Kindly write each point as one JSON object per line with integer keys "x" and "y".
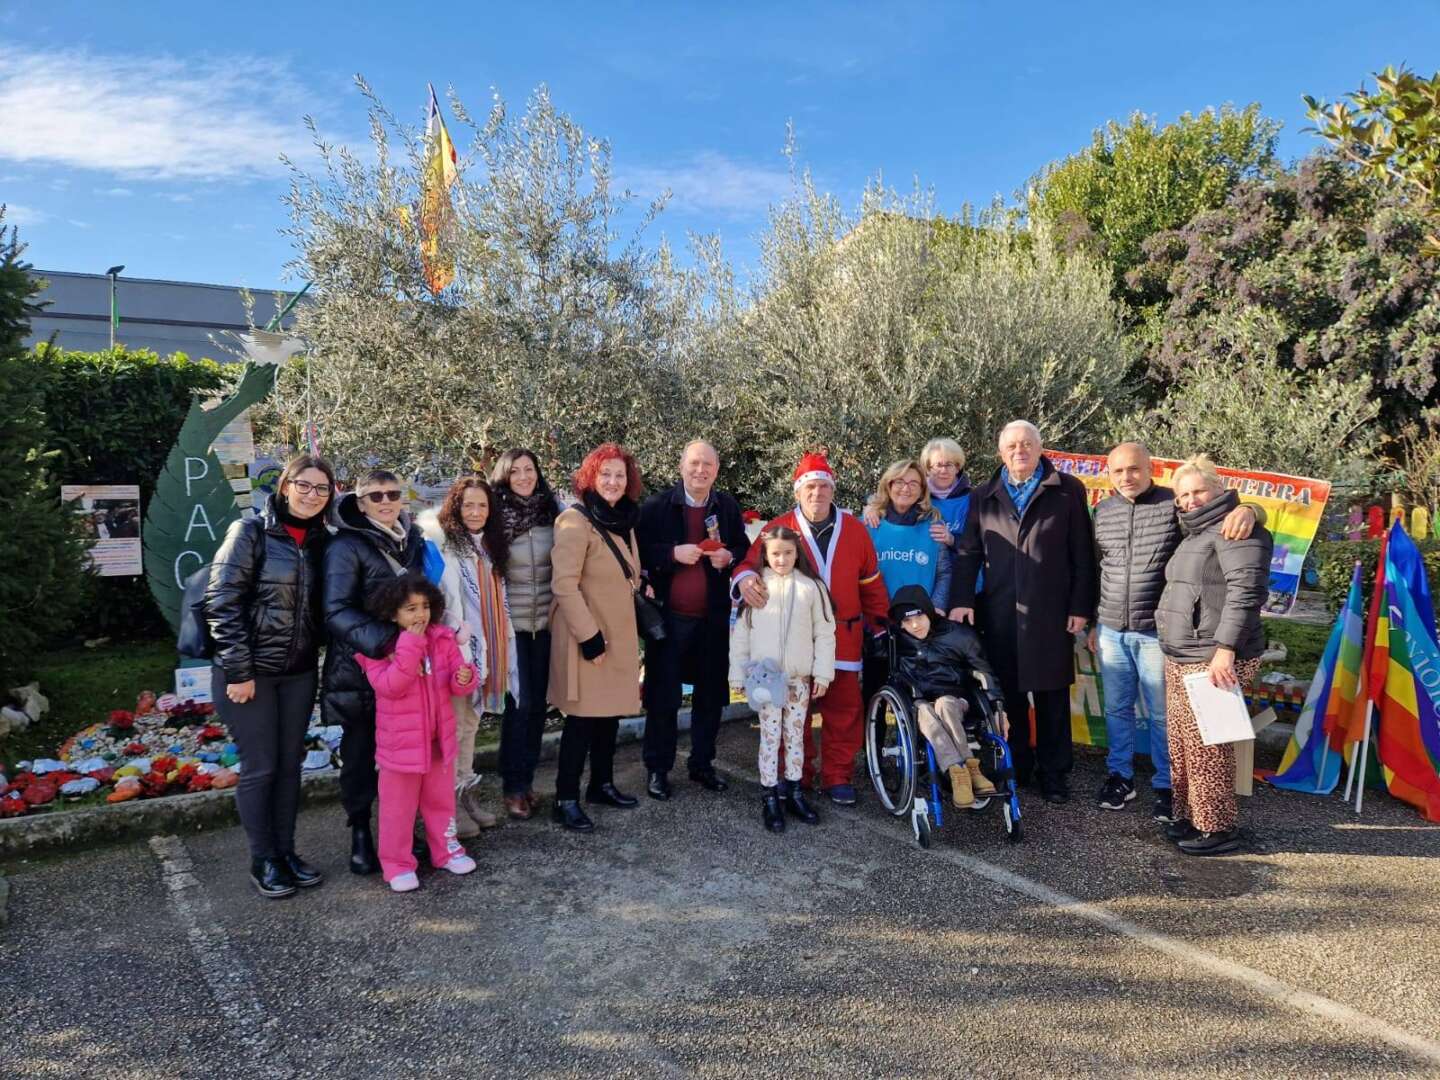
{"x": 870, "y": 331}
{"x": 555, "y": 333}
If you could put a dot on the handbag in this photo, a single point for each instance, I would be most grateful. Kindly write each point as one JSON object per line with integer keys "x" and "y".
{"x": 193, "y": 639}
{"x": 649, "y": 615}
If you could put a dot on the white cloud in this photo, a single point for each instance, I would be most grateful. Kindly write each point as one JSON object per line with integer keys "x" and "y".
{"x": 79, "y": 224}
{"x": 116, "y": 192}
{"x": 24, "y": 215}
{"x": 205, "y": 117}
{"x": 179, "y": 197}
{"x": 710, "y": 182}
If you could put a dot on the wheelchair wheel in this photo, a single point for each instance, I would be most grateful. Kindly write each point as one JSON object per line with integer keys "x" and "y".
{"x": 891, "y": 744}
{"x": 920, "y": 823}
{"x": 1014, "y": 831}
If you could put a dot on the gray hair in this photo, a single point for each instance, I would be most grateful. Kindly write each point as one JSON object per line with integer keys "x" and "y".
{"x": 1027, "y": 425}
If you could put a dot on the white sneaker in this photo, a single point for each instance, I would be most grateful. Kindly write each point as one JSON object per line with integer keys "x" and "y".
{"x": 405, "y": 882}
{"x": 459, "y": 864}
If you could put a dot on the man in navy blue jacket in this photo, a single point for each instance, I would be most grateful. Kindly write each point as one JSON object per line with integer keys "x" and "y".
{"x": 689, "y": 535}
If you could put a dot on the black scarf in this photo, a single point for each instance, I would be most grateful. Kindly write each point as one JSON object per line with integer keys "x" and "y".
{"x": 521, "y": 513}
{"x": 618, "y": 519}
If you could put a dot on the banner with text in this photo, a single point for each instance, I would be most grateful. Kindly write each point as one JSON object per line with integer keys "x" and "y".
{"x": 1293, "y": 506}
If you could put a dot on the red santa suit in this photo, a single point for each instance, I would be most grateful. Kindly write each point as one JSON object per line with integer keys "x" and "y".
{"x": 851, "y": 571}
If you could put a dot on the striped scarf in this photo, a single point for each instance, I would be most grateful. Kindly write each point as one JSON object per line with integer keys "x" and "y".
{"x": 486, "y": 614}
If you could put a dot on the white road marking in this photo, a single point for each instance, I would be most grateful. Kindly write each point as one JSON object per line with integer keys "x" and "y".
{"x": 230, "y": 982}
{"x": 1254, "y": 980}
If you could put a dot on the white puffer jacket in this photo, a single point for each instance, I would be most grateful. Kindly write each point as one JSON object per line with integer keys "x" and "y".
{"x": 808, "y": 649}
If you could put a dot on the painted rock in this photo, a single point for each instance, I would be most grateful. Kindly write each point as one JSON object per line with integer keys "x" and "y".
{"x": 83, "y": 786}
{"x": 225, "y": 778}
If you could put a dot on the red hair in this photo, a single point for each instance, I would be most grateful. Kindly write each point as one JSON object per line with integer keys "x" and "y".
{"x": 589, "y": 470}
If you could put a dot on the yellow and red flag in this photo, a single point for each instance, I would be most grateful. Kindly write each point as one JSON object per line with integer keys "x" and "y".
{"x": 437, "y": 215}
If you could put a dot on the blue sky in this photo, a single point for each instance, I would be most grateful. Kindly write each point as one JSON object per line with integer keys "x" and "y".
{"x": 148, "y": 133}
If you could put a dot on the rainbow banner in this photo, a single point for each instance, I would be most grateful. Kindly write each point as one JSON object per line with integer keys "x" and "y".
{"x": 1293, "y": 506}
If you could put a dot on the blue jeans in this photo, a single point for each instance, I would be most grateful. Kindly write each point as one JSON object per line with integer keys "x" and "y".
{"x": 1131, "y": 664}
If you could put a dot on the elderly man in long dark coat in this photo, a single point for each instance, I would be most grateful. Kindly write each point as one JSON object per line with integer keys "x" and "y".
{"x": 1029, "y": 530}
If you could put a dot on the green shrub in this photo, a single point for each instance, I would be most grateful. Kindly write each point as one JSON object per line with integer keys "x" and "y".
{"x": 1335, "y": 563}
{"x": 113, "y": 417}
{"x": 43, "y": 578}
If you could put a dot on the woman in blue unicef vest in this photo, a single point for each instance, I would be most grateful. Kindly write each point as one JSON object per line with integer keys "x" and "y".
{"x": 909, "y": 552}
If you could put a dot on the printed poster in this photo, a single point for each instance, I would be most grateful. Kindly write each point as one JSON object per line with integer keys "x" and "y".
{"x": 110, "y": 514}
{"x": 1293, "y": 506}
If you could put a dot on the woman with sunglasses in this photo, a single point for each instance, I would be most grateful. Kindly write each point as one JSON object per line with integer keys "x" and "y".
{"x": 906, "y": 534}
{"x": 374, "y": 540}
{"x": 262, "y": 605}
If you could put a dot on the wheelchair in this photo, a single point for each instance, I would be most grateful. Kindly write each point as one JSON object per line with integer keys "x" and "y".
{"x": 901, "y": 762}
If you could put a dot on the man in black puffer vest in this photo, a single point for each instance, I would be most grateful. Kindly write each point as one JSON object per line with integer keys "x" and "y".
{"x": 1136, "y": 532}
{"x": 375, "y": 540}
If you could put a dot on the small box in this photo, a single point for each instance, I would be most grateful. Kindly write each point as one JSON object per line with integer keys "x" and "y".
{"x": 1245, "y": 753}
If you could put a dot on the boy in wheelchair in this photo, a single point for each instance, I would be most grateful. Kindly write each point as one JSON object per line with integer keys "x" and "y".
{"x": 934, "y": 655}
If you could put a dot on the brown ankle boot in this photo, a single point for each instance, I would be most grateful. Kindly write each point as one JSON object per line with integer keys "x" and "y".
{"x": 960, "y": 793}
{"x": 978, "y": 780}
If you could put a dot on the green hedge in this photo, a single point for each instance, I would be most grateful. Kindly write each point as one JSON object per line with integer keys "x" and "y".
{"x": 113, "y": 417}
{"x": 1335, "y": 563}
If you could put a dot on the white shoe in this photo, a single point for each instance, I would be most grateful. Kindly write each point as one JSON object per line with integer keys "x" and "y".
{"x": 405, "y": 882}
{"x": 459, "y": 864}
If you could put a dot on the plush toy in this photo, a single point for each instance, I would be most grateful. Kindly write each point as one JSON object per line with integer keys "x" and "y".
{"x": 145, "y": 703}
{"x": 764, "y": 683}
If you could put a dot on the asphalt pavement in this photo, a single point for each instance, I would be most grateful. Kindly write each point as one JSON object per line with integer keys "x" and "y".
{"x": 682, "y": 940}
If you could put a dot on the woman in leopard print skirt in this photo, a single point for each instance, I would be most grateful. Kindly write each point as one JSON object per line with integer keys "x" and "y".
{"x": 1208, "y": 621}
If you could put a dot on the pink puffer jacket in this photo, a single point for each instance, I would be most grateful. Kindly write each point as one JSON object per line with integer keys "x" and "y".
{"x": 412, "y": 708}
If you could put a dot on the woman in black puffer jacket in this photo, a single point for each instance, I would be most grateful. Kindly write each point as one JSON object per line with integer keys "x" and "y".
{"x": 375, "y": 540}
{"x": 1208, "y": 620}
{"x": 262, "y": 606}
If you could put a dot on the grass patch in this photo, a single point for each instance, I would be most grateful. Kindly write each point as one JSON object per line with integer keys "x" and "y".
{"x": 1305, "y": 642}
{"x": 83, "y": 685}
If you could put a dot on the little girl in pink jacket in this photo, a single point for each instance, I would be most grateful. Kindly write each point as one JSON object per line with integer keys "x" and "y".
{"x": 415, "y": 743}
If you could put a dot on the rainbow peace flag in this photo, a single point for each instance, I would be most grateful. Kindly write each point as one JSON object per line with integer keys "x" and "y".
{"x": 1409, "y": 704}
{"x": 1312, "y": 759}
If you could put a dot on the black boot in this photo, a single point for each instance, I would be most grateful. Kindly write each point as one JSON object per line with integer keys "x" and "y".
{"x": 709, "y": 779}
{"x": 610, "y": 795}
{"x": 304, "y": 874}
{"x": 774, "y": 813}
{"x": 567, "y": 812}
{"x": 271, "y": 878}
{"x": 658, "y": 786}
{"x": 797, "y": 804}
{"x": 363, "y": 859}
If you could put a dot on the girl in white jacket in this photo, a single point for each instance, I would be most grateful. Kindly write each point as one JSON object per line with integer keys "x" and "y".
{"x": 792, "y": 641}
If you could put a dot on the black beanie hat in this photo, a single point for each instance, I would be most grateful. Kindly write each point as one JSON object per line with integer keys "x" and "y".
{"x": 911, "y": 600}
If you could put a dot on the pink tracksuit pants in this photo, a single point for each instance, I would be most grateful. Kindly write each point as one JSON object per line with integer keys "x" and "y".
{"x": 402, "y": 794}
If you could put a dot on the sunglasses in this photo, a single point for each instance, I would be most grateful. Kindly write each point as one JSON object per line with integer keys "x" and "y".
{"x": 378, "y": 497}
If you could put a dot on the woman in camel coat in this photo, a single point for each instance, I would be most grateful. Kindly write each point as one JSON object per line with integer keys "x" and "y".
{"x": 595, "y": 649}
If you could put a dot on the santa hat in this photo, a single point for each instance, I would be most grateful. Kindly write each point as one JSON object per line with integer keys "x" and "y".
{"x": 814, "y": 467}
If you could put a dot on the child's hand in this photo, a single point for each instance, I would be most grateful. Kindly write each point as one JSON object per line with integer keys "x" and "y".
{"x": 465, "y": 675}
{"x": 416, "y": 628}
{"x": 819, "y": 688}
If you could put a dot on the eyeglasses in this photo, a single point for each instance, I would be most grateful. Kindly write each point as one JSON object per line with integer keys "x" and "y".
{"x": 377, "y": 497}
{"x": 304, "y": 487}
{"x": 944, "y": 466}
{"x": 905, "y": 483}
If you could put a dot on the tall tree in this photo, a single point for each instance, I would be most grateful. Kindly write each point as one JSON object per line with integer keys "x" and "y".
{"x": 42, "y": 584}
{"x": 1141, "y": 178}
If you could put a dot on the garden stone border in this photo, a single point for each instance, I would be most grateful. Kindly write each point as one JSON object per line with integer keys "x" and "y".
{"x": 210, "y": 809}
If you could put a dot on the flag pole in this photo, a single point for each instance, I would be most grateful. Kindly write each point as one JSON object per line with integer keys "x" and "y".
{"x": 1364, "y": 754}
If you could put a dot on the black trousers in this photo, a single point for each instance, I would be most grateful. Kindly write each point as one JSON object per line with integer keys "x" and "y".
{"x": 592, "y": 736}
{"x": 1053, "y": 756}
{"x": 696, "y": 651}
{"x": 522, "y": 726}
{"x": 269, "y": 731}
{"x": 359, "y": 782}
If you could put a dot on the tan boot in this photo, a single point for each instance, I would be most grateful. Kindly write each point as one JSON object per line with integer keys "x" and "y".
{"x": 978, "y": 780}
{"x": 960, "y": 793}
{"x": 468, "y": 806}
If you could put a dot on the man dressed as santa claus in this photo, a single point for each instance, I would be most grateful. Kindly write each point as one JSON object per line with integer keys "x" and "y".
{"x": 840, "y": 549}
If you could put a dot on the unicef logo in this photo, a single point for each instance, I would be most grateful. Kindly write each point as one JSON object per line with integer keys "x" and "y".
{"x": 921, "y": 559}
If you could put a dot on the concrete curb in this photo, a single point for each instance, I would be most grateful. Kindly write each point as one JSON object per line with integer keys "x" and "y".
{"x": 212, "y": 809}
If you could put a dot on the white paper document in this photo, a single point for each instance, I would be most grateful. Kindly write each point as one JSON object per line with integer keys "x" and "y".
{"x": 1220, "y": 714}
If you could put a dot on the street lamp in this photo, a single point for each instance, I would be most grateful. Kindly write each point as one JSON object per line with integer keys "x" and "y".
{"x": 112, "y": 273}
